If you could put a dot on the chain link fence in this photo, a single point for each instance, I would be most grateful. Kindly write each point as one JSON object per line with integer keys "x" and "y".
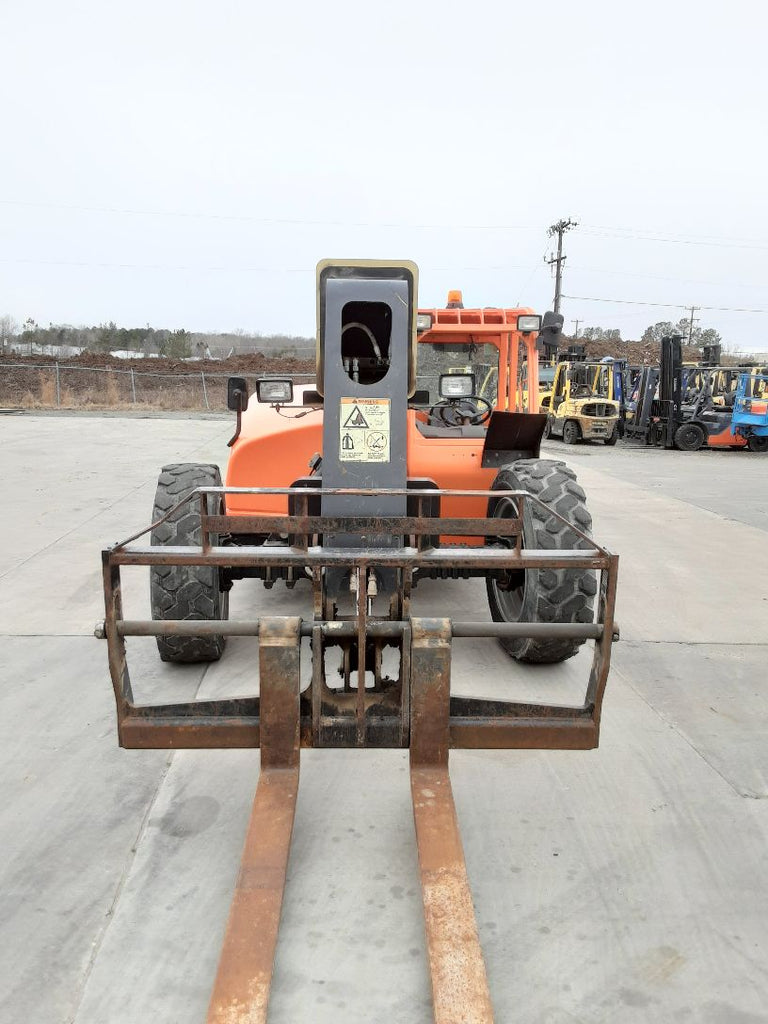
{"x": 65, "y": 386}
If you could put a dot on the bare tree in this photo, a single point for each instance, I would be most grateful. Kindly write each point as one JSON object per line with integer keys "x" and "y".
{"x": 8, "y": 331}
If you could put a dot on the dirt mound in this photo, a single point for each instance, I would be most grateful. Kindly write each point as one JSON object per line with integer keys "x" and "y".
{"x": 637, "y": 353}
{"x": 98, "y": 380}
{"x": 249, "y": 362}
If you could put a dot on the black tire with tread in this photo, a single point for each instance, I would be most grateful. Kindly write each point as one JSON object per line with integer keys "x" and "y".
{"x": 544, "y": 595}
{"x": 757, "y": 443}
{"x": 690, "y": 437}
{"x": 185, "y": 591}
{"x": 611, "y": 441}
{"x": 571, "y": 432}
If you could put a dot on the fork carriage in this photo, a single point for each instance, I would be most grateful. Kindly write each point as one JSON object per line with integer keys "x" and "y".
{"x": 365, "y": 709}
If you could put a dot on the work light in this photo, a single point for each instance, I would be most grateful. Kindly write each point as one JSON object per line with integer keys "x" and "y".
{"x": 423, "y": 321}
{"x": 528, "y": 322}
{"x": 457, "y": 385}
{"x": 274, "y": 391}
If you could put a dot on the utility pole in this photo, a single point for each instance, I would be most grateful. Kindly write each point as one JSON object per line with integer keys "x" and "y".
{"x": 690, "y": 325}
{"x": 576, "y": 332}
{"x": 559, "y": 229}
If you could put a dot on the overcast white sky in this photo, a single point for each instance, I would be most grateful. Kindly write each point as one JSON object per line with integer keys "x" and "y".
{"x": 187, "y": 164}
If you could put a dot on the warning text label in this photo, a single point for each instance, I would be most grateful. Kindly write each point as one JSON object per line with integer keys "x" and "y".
{"x": 364, "y": 430}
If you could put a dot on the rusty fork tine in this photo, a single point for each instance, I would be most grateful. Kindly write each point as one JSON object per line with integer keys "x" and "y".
{"x": 241, "y": 990}
{"x": 460, "y": 992}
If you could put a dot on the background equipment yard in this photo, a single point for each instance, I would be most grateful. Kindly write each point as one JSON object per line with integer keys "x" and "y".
{"x": 627, "y": 882}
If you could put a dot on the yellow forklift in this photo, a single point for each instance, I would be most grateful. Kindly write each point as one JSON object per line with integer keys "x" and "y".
{"x": 585, "y": 402}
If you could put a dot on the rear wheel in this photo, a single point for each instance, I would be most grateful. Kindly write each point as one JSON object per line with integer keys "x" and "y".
{"x": 689, "y": 437}
{"x": 571, "y": 432}
{"x": 613, "y": 438}
{"x": 185, "y": 591}
{"x": 757, "y": 444}
{"x": 542, "y": 595}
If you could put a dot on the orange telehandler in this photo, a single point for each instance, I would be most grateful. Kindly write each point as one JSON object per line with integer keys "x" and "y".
{"x": 407, "y": 459}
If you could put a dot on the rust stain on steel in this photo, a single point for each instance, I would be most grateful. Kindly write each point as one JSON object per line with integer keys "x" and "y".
{"x": 487, "y": 557}
{"x": 225, "y": 523}
{"x": 241, "y": 990}
{"x": 459, "y": 984}
{"x": 485, "y": 724}
{"x": 308, "y": 525}
{"x": 362, "y": 599}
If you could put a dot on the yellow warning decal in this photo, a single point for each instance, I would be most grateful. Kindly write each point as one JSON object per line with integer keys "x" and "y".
{"x": 364, "y": 430}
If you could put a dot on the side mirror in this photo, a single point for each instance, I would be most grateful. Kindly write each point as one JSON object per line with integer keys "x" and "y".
{"x": 550, "y": 334}
{"x": 552, "y": 323}
{"x": 237, "y": 394}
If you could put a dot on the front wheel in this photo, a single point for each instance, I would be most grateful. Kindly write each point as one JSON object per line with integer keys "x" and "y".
{"x": 542, "y": 595}
{"x": 571, "y": 432}
{"x": 185, "y": 591}
{"x": 757, "y": 444}
{"x": 690, "y": 437}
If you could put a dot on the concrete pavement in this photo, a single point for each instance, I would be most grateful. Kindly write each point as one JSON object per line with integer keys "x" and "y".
{"x": 621, "y": 885}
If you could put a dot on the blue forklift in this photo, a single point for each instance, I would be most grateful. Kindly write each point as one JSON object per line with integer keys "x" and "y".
{"x": 750, "y": 410}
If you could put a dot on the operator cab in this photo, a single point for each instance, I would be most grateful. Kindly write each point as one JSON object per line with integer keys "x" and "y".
{"x": 458, "y": 383}
{"x": 467, "y": 367}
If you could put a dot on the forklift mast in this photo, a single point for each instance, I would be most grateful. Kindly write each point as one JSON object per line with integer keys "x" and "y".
{"x": 671, "y": 387}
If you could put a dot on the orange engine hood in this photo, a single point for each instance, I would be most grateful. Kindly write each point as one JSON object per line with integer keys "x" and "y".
{"x": 274, "y": 450}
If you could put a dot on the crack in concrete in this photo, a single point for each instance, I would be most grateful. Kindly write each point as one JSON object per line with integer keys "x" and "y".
{"x": 101, "y": 511}
{"x": 701, "y": 643}
{"x": 121, "y": 883}
{"x": 125, "y": 875}
{"x": 48, "y": 636}
{"x": 670, "y": 724}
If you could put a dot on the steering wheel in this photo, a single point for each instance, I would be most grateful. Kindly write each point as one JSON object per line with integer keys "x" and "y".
{"x": 460, "y": 412}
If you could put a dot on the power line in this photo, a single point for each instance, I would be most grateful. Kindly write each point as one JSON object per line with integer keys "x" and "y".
{"x": 526, "y": 286}
{"x": 718, "y": 244}
{"x": 156, "y": 266}
{"x": 669, "y": 305}
{"x": 670, "y": 234}
{"x": 639, "y": 234}
{"x": 675, "y": 280}
{"x": 303, "y": 222}
{"x": 33, "y": 261}
{"x": 231, "y": 269}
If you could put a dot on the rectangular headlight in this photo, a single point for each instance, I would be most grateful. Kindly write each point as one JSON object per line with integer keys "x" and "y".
{"x": 423, "y": 321}
{"x": 457, "y": 385}
{"x": 274, "y": 391}
{"x": 528, "y": 322}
